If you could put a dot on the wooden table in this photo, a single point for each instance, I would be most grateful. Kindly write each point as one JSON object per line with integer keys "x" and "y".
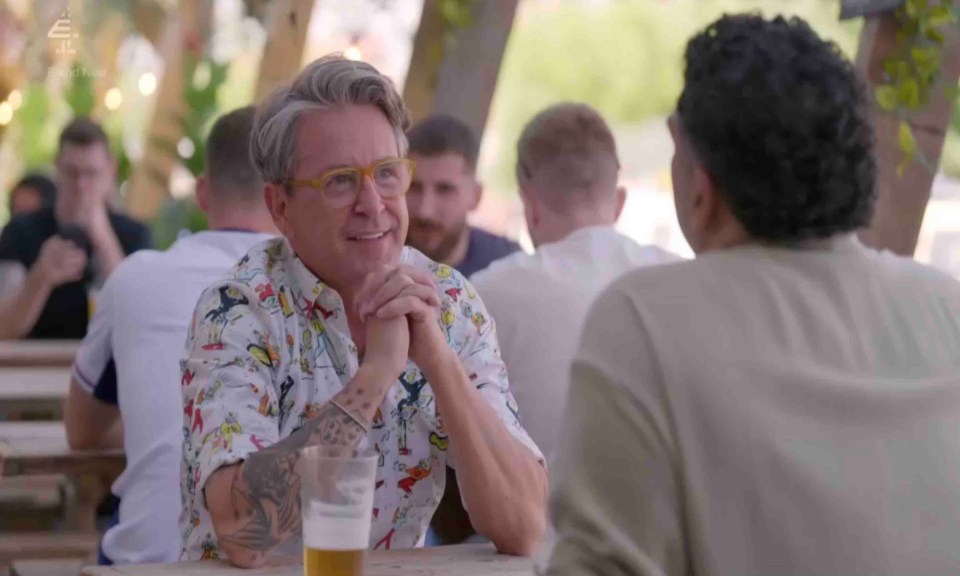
{"x": 462, "y": 560}
{"x": 68, "y": 567}
{"x": 19, "y": 353}
{"x": 33, "y": 391}
{"x": 36, "y": 448}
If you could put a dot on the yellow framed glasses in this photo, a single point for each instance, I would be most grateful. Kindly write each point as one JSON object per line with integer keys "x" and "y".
{"x": 341, "y": 186}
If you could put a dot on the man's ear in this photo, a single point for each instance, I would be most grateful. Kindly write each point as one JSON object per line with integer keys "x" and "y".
{"x": 621, "y": 201}
{"x": 201, "y": 193}
{"x": 706, "y": 200}
{"x": 477, "y": 194}
{"x": 277, "y": 200}
{"x": 531, "y": 207}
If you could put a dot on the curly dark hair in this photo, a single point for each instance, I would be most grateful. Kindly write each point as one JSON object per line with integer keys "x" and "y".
{"x": 779, "y": 119}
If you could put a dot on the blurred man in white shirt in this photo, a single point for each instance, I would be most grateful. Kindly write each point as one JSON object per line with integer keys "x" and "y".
{"x": 788, "y": 402}
{"x": 125, "y": 389}
{"x": 567, "y": 171}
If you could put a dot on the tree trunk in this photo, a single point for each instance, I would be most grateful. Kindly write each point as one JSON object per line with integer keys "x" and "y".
{"x": 457, "y": 74}
{"x": 287, "y": 25}
{"x": 902, "y": 200}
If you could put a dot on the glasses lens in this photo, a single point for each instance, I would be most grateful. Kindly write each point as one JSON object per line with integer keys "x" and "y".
{"x": 341, "y": 187}
{"x": 392, "y": 177}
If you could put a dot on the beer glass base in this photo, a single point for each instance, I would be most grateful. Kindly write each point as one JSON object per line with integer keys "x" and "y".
{"x": 333, "y": 562}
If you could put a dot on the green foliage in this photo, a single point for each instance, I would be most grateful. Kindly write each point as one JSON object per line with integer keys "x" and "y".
{"x": 455, "y": 13}
{"x": 174, "y": 216}
{"x": 624, "y": 58}
{"x": 37, "y": 139}
{"x": 913, "y": 71}
{"x": 79, "y": 92}
{"x": 204, "y": 77}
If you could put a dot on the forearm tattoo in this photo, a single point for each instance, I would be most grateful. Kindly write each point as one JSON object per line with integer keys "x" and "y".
{"x": 265, "y": 491}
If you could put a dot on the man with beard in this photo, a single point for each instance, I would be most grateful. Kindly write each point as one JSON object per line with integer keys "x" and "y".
{"x": 444, "y": 190}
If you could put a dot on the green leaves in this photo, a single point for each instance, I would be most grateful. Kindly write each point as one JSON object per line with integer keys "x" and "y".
{"x": 886, "y": 97}
{"x": 908, "y": 144}
{"x": 912, "y": 72}
{"x": 908, "y": 93}
{"x": 202, "y": 79}
{"x": 941, "y": 16}
{"x": 79, "y": 93}
{"x": 456, "y": 13}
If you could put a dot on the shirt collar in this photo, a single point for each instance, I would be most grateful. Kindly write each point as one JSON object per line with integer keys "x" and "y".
{"x": 309, "y": 289}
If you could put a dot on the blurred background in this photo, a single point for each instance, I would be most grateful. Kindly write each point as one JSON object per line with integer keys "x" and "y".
{"x": 116, "y": 61}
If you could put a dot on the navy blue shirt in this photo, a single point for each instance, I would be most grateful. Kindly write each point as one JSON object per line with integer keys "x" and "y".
{"x": 66, "y": 312}
{"x": 483, "y": 249}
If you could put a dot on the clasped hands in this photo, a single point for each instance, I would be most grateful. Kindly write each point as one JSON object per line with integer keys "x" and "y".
{"x": 398, "y": 307}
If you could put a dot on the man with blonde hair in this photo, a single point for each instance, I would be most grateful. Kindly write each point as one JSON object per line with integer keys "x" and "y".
{"x": 567, "y": 170}
{"x": 337, "y": 335}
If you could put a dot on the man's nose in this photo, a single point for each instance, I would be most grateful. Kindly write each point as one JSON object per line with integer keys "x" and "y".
{"x": 369, "y": 200}
{"x": 424, "y": 206}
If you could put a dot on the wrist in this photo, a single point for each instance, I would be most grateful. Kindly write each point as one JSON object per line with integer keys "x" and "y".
{"x": 375, "y": 374}
{"x": 39, "y": 279}
{"x": 439, "y": 366}
{"x": 101, "y": 234}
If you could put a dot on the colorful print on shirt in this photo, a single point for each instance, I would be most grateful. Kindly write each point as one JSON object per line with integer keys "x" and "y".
{"x": 269, "y": 345}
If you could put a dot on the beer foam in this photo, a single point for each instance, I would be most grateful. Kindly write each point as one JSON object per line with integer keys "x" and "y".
{"x": 336, "y": 533}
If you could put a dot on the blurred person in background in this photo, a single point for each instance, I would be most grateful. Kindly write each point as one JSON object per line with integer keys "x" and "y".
{"x": 33, "y": 192}
{"x": 125, "y": 385}
{"x": 567, "y": 171}
{"x": 71, "y": 247}
{"x": 787, "y": 402}
{"x": 445, "y": 189}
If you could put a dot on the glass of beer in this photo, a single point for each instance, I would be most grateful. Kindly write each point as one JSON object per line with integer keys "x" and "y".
{"x": 336, "y": 503}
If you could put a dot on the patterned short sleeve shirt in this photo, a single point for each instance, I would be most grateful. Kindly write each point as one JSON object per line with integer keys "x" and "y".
{"x": 269, "y": 345}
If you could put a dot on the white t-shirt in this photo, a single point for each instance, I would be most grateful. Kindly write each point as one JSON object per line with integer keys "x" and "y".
{"x": 539, "y": 303}
{"x": 134, "y": 343}
{"x": 765, "y": 411}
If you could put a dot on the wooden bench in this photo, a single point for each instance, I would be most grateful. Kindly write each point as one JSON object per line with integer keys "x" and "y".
{"x": 19, "y": 353}
{"x": 35, "y": 502}
{"x": 78, "y": 547}
{"x": 33, "y": 393}
{"x": 40, "y": 448}
{"x": 68, "y": 567}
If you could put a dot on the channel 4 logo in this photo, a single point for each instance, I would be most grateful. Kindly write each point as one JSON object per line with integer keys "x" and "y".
{"x": 62, "y": 30}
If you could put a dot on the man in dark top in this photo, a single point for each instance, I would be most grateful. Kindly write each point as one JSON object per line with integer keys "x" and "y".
{"x": 443, "y": 191}
{"x": 56, "y": 305}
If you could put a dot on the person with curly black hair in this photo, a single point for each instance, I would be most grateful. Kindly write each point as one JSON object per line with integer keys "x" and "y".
{"x": 787, "y": 402}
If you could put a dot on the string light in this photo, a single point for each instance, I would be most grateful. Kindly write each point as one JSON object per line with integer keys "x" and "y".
{"x": 186, "y": 148}
{"x": 147, "y": 83}
{"x": 353, "y": 53}
{"x": 15, "y": 99}
{"x": 113, "y": 99}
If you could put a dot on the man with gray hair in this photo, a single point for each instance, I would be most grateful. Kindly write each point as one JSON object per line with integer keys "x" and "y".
{"x": 337, "y": 335}
{"x": 567, "y": 170}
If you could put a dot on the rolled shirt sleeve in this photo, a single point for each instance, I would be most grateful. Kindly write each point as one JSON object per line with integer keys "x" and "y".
{"x": 93, "y": 368}
{"x": 227, "y": 376}
{"x": 476, "y": 342}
